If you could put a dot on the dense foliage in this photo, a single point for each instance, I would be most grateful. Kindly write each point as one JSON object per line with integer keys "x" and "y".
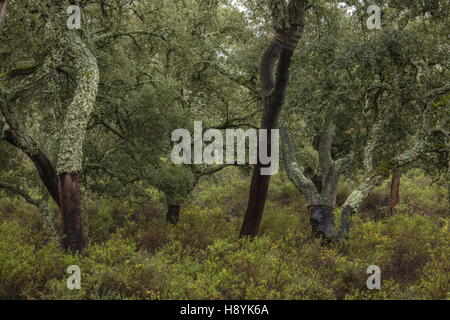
{"x": 87, "y": 179}
{"x": 133, "y": 254}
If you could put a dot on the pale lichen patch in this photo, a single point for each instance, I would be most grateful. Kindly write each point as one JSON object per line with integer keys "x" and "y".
{"x": 79, "y": 111}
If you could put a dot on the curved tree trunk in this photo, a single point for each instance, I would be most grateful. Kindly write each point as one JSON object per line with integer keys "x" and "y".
{"x": 395, "y": 190}
{"x": 260, "y": 183}
{"x": 173, "y": 213}
{"x": 355, "y": 200}
{"x": 274, "y": 85}
{"x": 70, "y": 156}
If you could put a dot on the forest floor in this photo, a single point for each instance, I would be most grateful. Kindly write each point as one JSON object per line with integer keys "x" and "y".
{"x": 133, "y": 254}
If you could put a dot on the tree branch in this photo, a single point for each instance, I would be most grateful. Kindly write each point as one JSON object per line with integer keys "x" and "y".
{"x": 325, "y": 142}
{"x": 252, "y": 87}
{"x": 302, "y": 183}
{"x": 21, "y": 193}
{"x": 131, "y": 34}
{"x": 267, "y": 67}
{"x": 357, "y": 197}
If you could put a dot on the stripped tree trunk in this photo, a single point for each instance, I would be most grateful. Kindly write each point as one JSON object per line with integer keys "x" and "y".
{"x": 395, "y": 190}
{"x": 70, "y": 156}
{"x": 288, "y": 24}
{"x": 72, "y": 226}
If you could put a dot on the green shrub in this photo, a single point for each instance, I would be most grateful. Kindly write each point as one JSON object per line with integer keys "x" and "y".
{"x": 135, "y": 255}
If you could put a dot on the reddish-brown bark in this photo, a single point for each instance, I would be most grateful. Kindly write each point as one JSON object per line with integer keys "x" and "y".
{"x": 278, "y": 55}
{"x": 72, "y": 225}
{"x": 395, "y": 190}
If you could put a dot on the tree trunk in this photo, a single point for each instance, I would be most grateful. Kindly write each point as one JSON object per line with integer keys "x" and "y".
{"x": 61, "y": 183}
{"x": 73, "y": 237}
{"x": 322, "y": 222}
{"x": 395, "y": 190}
{"x": 260, "y": 183}
{"x": 62, "y": 189}
{"x": 278, "y": 55}
{"x": 173, "y": 213}
{"x": 256, "y": 203}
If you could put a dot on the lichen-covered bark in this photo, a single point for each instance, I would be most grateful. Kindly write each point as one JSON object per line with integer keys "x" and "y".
{"x": 357, "y": 196}
{"x": 374, "y": 137}
{"x": 325, "y": 141}
{"x": 321, "y": 204}
{"x": 78, "y": 113}
{"x": 16, "y": 133}
{"x": 330, "y": 186}
{"x": 70, "y": 155}
{"x": 330, "y": 183}
{"x": 62, "y": 182}
{"x": 377, "y": 130}
{"x": 51, "y": 62}
{"x": 354, "y": 201}
{"x": 300, "y": 181}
